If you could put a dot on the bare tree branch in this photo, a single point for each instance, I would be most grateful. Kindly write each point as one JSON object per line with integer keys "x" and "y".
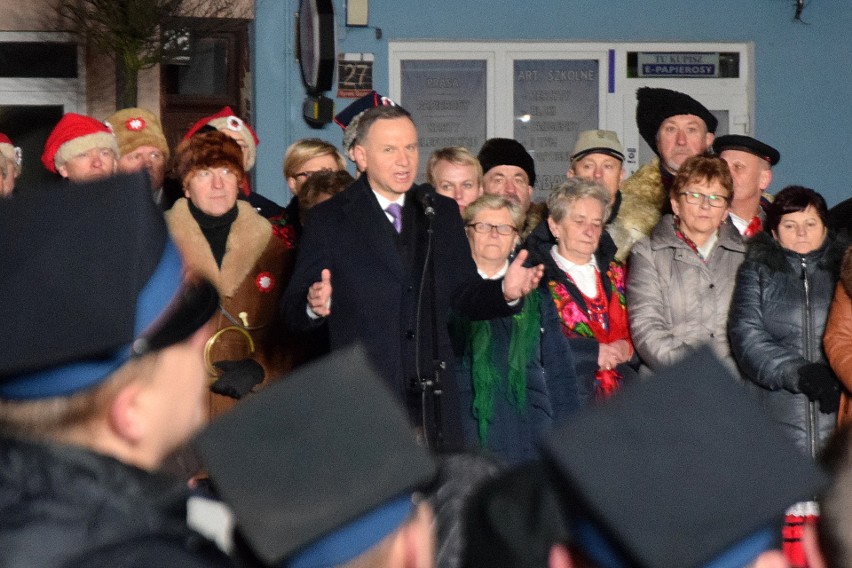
{"x": 130, "y": 31}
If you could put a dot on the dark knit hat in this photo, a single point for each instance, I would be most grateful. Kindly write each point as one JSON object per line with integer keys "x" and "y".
{"x": 746, "y": 144}
{"x": 655, "y": 105}
{"x": 89, "y": 279}
{"x": 318, "y": 467}
{"x": 506, "y": 152}
{"x": 682, "y": 470}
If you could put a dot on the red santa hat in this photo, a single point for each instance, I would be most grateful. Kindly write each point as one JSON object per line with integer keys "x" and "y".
{"x": 73, "y": 135}
{"x": 11, "y": 152}
{"x": 225, "y": 120}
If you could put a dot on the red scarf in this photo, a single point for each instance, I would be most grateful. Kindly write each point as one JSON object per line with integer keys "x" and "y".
{"x": 606, "y": 320}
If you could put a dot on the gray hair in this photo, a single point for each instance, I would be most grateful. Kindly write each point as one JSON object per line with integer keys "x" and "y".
{"x": 486, "y": 201}
{"x": 563, "y": 197}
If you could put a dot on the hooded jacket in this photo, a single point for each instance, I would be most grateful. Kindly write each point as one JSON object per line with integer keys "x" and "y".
{"x": 776, "y": 324}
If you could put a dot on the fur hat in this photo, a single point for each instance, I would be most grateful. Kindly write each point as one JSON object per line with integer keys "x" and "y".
{"x": 506, "y": 152}
{"x": 75, "y": 134}
{"x": 11, "y": 153}
{"x": 655, "y": 105}
{"x": 135, "y": 127}
{"x": 224, "y": 120}
{"x": 208, "y": 150}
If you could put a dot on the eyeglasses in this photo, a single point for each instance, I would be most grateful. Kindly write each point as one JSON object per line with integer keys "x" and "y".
{"x": 306, "y": 175}
{"x": 488, "y": 227}
{"x": 695, "y": 198}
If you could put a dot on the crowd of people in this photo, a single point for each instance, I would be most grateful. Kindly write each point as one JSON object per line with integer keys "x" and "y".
{"x": 553, "y": 383}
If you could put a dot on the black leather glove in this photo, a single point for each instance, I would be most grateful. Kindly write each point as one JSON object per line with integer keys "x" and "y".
{"x": 818, "y": 383}
{"x": 237, "y": 377}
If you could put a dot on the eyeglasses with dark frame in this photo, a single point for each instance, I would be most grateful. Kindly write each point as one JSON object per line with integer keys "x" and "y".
{"x": 696, "y": 198}
{"x": 501, "y": 229}
{"x": 308, "y": 174}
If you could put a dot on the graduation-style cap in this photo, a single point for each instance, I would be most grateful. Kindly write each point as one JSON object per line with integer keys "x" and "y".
{"x": 88, "y": 279}
{"x": 654, "y": 105}
{"x": 684, "y": 469}
{"x": 319, "y": 466}
{"x": 747, "y": 144}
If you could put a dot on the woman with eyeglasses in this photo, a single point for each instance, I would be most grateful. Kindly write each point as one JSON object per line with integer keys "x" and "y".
{"x": 682, "y": 275}
{"x": 303, "y": 159}
{"x": 515, "y": 377}
{"x": 586, "y": 284}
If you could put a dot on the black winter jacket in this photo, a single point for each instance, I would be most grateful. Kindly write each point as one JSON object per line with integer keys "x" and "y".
{"x": 62, "y": 505}
{"x": 776, "y": 322}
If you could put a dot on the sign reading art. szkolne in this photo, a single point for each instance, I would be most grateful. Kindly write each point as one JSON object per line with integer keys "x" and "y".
{"x": 554, "y": 101}
{"x": 678, "y": 64}
{"x": 447, "y": 100}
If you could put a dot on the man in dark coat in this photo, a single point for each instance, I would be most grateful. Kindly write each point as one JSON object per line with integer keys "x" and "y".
{"x": 370, "y": 244}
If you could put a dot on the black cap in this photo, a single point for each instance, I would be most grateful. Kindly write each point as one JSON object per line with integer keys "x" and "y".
{"x": 679, "y": 470}
{"x": 655, "y": 105}
{"x": 746, "y": 144}
{"x": 318, "y": 467}
{"x": 88, "y": 279}
{"x": 506, "y": 152}
{"x": 512, "y": 521}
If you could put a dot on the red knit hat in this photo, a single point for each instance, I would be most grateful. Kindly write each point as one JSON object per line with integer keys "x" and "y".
{"x": 224, "y": 120}
{"x": 75, "y": 134}
{"x": 11, "y": 152}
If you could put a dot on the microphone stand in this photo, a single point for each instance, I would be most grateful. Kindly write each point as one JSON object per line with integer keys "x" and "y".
{"x": 430, "y": 383}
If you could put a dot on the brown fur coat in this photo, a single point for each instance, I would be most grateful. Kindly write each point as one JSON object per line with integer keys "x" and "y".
{"x": 252, "y": 277}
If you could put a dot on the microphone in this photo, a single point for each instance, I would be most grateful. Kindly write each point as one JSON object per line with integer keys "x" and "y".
{"x": 427, "y": 200}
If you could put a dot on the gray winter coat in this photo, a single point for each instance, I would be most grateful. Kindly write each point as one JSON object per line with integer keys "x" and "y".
{"x": 777, "y": 320}
{"x": 675, "y": 301}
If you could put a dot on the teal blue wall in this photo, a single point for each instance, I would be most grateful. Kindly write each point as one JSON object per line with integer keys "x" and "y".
{"x": 803, "y": 72}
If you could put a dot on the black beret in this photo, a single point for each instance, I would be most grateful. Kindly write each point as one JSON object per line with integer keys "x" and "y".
{"x": 506, "y": 152}
{"x": 680, "y": 470}
{"x": 655, "y": 105}
{"x": 318, "y": 466}
{"x": 746, "y": 144}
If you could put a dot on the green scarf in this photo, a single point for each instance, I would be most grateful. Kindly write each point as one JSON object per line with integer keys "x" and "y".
{"x": 526, "y": 326}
